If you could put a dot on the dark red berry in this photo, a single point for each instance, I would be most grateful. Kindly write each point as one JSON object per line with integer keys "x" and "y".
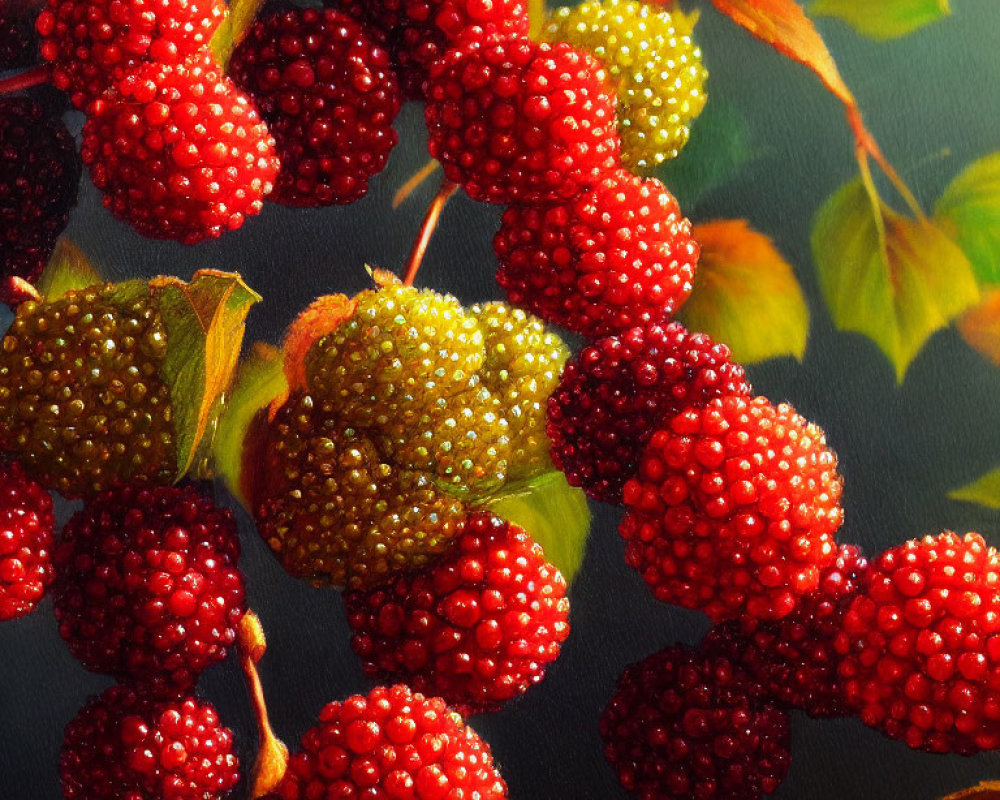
{"x": 39, "y": 178}
{"x": 734, "y": 509}
{"x": 147, "y": 588}
{"x": 920, "y": 646}
{"x": 17, "y": 39}
{"x": 477, "y": 628}
{"x": 615, "y": 393}
{"x": 684, "y": 725}
{"x": 26, "y": 522}
{"x": 618, "y": 255}
{"x": 329, "y": 98}
{"x": 518, "y": 122}
{"x": 122, "y": 746}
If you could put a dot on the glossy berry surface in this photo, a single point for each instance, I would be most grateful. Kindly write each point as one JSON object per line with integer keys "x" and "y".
{"x": 179, "y": 152}
{"x": 794, "y": 659}
{"x": 39, "y": 177}
{"x": 616, "y": 392}
{"x": 391, "y": 743}
{"x": 684, "y": 725}
{"x": 94, "y": 44}
{"x": 513, "y": 121}
{"x": 477, "y": 628}
{"x": 618, "y": 255}
{"x": 329, "y": 97}
{"x": 26, "y": 523}
{"x": 734, "y": 509}
{"x": 147, "y": 588}
{"x": 920, "y": 646}
{"x": 122, "y": 746}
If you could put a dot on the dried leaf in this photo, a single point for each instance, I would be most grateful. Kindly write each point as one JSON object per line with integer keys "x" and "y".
{"x": 231, "y": 32}
{"x": 980, "y": 326}
{"x": 746, "y": 294}
{"x": 969, "y": 210}
{"x": 987, "y": 790}
{"x": 885, "y": 19}
{"x": 984, "y": 492}
{"x": 68, "y": 269}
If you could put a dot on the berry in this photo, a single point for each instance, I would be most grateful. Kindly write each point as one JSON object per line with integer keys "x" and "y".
{"x": 794, "y": 658}
{"x": 82, "y": 402}
{"x": 122, "y": 746}
{"x": 478, "y": 627}
{"x": 653, "y": 64}
{"x": 329, "y": 98}
{"x": 518, "y": 122}
{"x": 920, "y": 647}
{"x": 613, "y": 257}
{"x": 334, "y": 512}
{"x": 392, "y": 743}
{"x": 681, "y": 724}
{"x": 147, "y": 588}
{"x": 616, "y": 392}
{"x": 179, "y": 152}
{"x": 734, "y": 509}
{"x": 26, "y": 523}
{"x": 39, "y": 177}
{"x": 94, "y": 44}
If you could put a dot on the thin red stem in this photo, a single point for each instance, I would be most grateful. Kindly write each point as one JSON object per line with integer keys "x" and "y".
{"x": 448, "y": 188}
{"x": 35, "y": 76}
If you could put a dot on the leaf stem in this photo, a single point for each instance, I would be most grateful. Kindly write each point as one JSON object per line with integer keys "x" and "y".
{"x": 867, "y": 146}
{"x": 35, "y": 76}
{"x": 448, "y": 188}
{"x": 414, "y": 181}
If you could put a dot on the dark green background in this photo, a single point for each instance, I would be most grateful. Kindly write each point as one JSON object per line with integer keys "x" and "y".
{"x": 932, "y": 99}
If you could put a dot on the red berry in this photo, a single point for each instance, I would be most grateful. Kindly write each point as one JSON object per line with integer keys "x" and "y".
{"x": 515, "y": 121}
{"x": 26, "y": 522}
{"x": 615, "y": 393}
{"x": 920, "y": 645}
{"x": 684, "y": 725}
{"x": 618, "y": 255}
{"x": 94, "y": 44}
{"x": 477, "y": 628}
{"x": 147, "y": 588}
{"x": 392, "y": 743}
{"x": 329, "y": 98}
{"x": 794, "y": 658}
{"x": 734, "y": 509}
{"x": 179, "y": 151}
{"x": 122, "y": 746}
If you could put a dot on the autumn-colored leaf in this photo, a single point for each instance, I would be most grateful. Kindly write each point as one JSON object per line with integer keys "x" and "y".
{"x": 884, "y": 19}
{"x": 969, "y": 210}
{"x": 987, "y": 790}
{"x": 231, "y": 32}
{"x": 984, "y": 491}
{"x": 893, "y": 279}
{"x": 68, "y": 269}
{"x": 321, "y": 317}
{"x": 980, "y": 326}
{"x": 746, "y": 294}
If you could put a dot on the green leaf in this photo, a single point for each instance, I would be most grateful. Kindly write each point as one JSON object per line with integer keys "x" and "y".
{"x": 895, "y": 290}
{"x": 68, "y": 269}
{"x": 554, "y": 513}
{"x": 746, "y": 294}
{"x": 259, "y": 380}
{"x": 985, "y": 491}
{"x": 969, "y": 210}
{"x": 883, "y": 19}
{"x": 204, "y": 321}
{"x": 231, "y": 32}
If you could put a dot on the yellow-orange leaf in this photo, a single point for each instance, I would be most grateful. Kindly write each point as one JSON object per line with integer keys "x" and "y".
{"x": 987, "y": 790}
{"x": 980, "y": 326}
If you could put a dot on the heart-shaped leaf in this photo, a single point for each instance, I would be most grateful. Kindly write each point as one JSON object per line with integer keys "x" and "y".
{"x": 68, "y": 269}
{"x": 893, "y": 279}
{"x": 746, "y": 294}
{"x": 984, "y": 491}
{"x": 884, "y": 19}
{"x": 231, "y": 32}
{"x": 969, "y": 210}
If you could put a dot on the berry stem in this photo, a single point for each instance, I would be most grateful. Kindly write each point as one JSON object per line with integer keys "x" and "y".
{"x": 35, "y": 76}
{"x": 867, "y": 146}
{"x": 414, "y": 181}
{"x": 448, "y": 188}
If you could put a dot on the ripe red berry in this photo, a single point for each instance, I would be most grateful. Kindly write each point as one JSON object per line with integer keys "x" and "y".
{"x": 615, "y": 393}
{"x": 94, "y": 44}
{"x": 684, "y": 725}
{"x": 477, "y": 628}
{"x": 618, "y": 255}
{"x": 329, "y": 98}
{"x": 734, "y": 509}
{"x": 26, "y": 522}
{"x": 179, "y": 152}
{"x": 518, "y": 122}
{"x": 147, "y": 588}
{"x": 392, "y": 743}
{"x": 794, "y": 658}
{"x": 920, "y": 646}
{"x": 122, "y": 746}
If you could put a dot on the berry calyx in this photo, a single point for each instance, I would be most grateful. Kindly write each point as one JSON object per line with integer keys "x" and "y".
{"x": 26, "y": 527}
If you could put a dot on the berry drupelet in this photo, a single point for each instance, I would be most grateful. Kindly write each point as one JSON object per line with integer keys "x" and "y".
{"x": 477, "y": 628}
{"x": 147, "y": 588}
{"x": 616, "y": 392}
{"x": 329, "y": 97}
{"x": 734, "y": 509}
{"x": 26, "y": 527}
